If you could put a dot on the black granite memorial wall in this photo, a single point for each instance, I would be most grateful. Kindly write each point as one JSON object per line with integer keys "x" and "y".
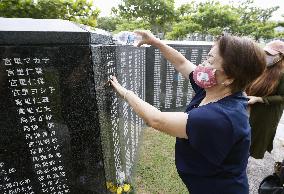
{"x": 61, "y": 129}
{"x": 167, "y": 89}
{"x": 120, "y": 126}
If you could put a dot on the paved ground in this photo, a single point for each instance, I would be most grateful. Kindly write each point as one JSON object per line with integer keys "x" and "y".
{"x": 280, "y": 133}
{"x": 258, "y": 169}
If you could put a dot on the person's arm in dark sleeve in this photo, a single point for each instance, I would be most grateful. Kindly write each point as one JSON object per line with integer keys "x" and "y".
{"x": 276, "y": 99}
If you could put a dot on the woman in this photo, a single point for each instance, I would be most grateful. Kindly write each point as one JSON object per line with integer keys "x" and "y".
{"x": 266, "y": 96}
{"x": 213, "y": 134}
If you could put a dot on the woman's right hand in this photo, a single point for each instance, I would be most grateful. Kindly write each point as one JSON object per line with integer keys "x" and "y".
{"x": 147, "y": 37}
{"x": 254, "y": 99}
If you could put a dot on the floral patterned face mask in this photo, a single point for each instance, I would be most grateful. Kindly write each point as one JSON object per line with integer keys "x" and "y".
{"x": 204, "y": 76}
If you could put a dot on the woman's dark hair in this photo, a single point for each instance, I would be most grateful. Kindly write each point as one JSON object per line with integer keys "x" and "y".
{"x": 267, "y": 83}
{"x": 243, "y": 60}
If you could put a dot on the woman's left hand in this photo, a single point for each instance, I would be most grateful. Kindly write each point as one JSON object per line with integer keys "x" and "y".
{"x": 118, "y": 88}
{"x": 254, "y": 99}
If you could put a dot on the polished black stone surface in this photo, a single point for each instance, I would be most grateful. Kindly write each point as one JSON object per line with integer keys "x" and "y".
{"x": 167, "y": 89}
{"x": 62, "y": 127}
{"x": 120, "y": 126}
{"x": 50, "y": 133}
{"x": 25, "y": 31}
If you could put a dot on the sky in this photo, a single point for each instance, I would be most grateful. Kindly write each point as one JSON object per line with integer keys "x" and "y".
{"x": 106, "y": 5}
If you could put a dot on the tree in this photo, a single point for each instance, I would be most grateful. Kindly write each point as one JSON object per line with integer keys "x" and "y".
{"x": 183, "y": 24}
{"x": 213, "y": 18}
{"x": 116, "y": 24}
{"x": 186, "y": 10}
{"x": 281, "y": 23}
{"x": 81, "y": 11}
{"x": 108, "y": 23}
{"x": 158, "y": 13}
{"x": 204, "y": 18}
{"x": 254, "y": 21}
{"x": 182, "y": 29}
{"x": 132, "y": 25}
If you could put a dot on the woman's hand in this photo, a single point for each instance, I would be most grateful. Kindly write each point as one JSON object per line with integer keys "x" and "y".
{"x": 254, "y": 99}
{"x": 147, "y": 37}
{"x": 118, "y": 88}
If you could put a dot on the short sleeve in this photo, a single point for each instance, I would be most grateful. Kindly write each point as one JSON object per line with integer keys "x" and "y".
{"x": 210, "y": 133}
{"x": 194, "y": 86}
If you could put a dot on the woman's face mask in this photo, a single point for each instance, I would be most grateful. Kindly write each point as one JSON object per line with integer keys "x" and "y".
{"x": 205, "y": 76}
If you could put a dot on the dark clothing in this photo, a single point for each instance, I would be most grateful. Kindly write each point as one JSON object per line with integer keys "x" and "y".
{"x": 213, "y": 159}
{"x": 264, "y": 118}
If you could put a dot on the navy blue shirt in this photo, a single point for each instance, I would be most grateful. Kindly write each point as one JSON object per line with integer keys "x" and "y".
{"x": 213, "y": 159}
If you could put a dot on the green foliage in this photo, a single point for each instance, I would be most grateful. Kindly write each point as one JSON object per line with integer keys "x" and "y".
{"x": 281, "y": 23}
{"x": 254, "y": 21}
{"x": 108, "y": 23}
{"x": 155, "y": 12}
{"x": 186, "y": 10}
{"x": 116, "y": 24}
{"x": 213, "y": 18}
{"x": 81, "y": 11}
{"x": 17, "y": 8}
{"x": 205, "y": 18}
{"x": 159, "y": 16}
{"x": 132, "y": 25}
{"x": 182, "y": 28}
{"x": 279, "y": 35}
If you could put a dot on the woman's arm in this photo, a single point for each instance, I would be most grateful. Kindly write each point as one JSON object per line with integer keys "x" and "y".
{"x": 279, "y": 98}
{"x": 181, "y": 64}
{"x": 268, "y": 100}
{"x": 274, "y": 99}
{"x": 172, "y": 123}
{"x": 254, "y": 99}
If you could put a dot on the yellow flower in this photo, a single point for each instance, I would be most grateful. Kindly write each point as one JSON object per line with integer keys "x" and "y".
{"x": 109, "y": 185}
{"x": 126, "y": 187}
{"x": 112, "y": 188}
{"x": 119, "y": 190}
